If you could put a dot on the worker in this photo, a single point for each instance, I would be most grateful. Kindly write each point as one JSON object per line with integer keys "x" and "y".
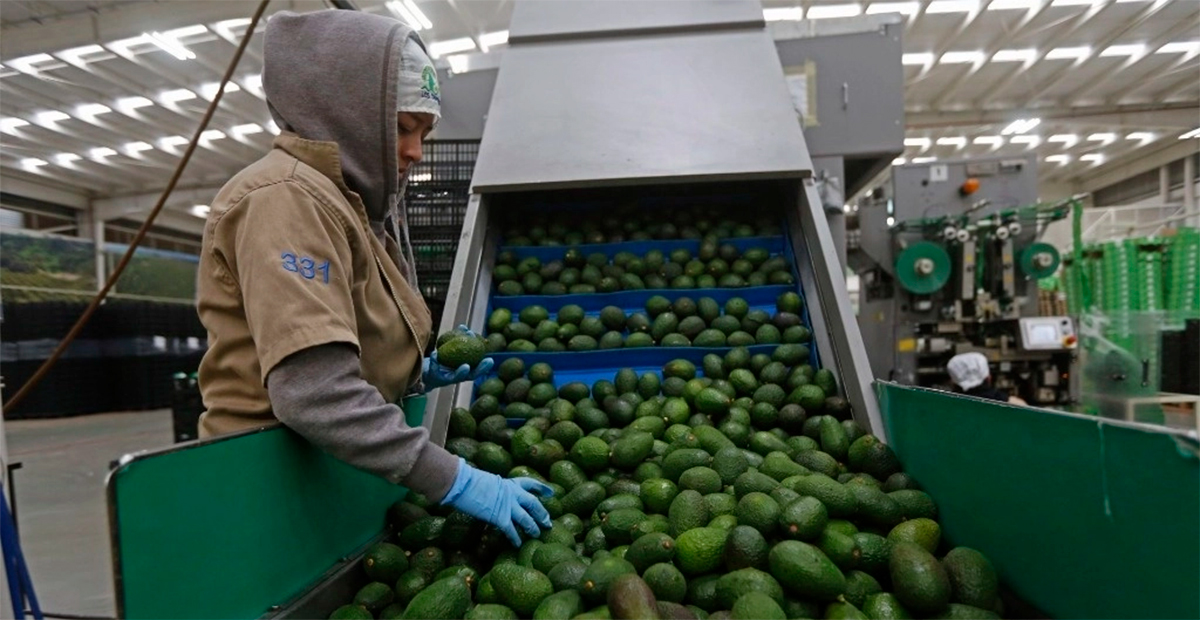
{"x": 970, "y": 373}
{"x": 307, "y": 284}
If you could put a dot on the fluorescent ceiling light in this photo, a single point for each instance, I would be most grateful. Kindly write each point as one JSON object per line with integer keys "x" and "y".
{"x": 957, "y": 141}
{"x": 905, "y": 8}
{"x": 200, "y": 210}
{"x": 170, "y": 45}
{"x": 186, "y": 31}
{"x": 1095, "y": 158}
{"x": 172, "y": 142}
{"x": 923, "y": 160}
{"x": 271, "y": 126}
{"x": 492, "y": 39}
{"x": 101, "y": 152}
{"x": 226, "y": 27}
{"x": 1008, "y": 5}
{"x": 451, "y": 46}
{"x": 129, "y": 104}
{"x": 11, "y": 123}
{"x": 952, "y": 6}
{"x": 992, "y": 141}
{"x": 245, "y": 130}
{"x": 1032, "y": 141}
{"x": 899, "y": 161}
{"x": 1064, "y": 53}
{"x": 32, "y": 162}
{"x": 209, "y": 91}
{"x": 1179, "y": 47}
{"x": 66, "y": 158}
{"x": 1141, "y": 136}
{"x": 399, "y": 10}
{"x": 1024, "y": 55}
{"x": 891, "y": 221}
{"x": 458, "y": 63}
{"x": 177, "y": 95}
{"x": 1021, "y": 125}
{"x": 76, "y": 54}
{"x": 91, "y": 110}
{"x": 212, "y": 134}
{"x": 1123, "y": 50}
{"x": 1106, "y": 138}
{"x": 952, "y": 58}
{"x": 1068, "y": 140}
{"x": 1195, "y": 133}
{"x": 51, "y": 116}
{"x": 825, "y": 11}
{"x": 25, "y": 64}
{"x": 138, "y": 147}
{"x": 921, "y": 142}
{"x": 924, "y": 58}
{"x": 783, "y": 14}
{"x": 416, "y": 11}
{"x": 1061, "y": 160}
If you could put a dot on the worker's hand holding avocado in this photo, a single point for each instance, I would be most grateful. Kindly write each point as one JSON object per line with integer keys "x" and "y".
{"x": 459, "y": 357}
{"x": 504, "y": 502}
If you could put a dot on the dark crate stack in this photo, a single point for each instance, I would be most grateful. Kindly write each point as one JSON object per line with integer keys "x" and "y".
{"x": 436, "y": 201}
{"x": 123, "y": 360}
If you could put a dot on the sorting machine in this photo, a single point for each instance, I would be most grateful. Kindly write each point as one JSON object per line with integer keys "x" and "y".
{"x": 949, "y": 263}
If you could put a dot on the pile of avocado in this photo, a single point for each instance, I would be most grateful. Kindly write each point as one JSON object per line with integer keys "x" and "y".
{"x": 714, "y": 265}
{"x": 682, "y": 323}
{"x": 612, "y": 224}
{"x": 740, "y": 490}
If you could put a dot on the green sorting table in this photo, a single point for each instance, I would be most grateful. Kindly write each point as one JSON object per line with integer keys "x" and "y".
{"x": 238, "y": 526}
{"x": 1083, "y": 517}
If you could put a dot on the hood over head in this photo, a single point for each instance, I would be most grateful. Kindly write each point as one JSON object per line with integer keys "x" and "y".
{"x": 968, "y": 370}
{"x": 341, "y": 76}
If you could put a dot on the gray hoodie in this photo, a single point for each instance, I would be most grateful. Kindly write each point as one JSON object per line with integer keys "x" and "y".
{"x": 332, "y": 76}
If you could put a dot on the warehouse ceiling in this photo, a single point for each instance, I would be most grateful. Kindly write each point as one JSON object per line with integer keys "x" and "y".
{"x": 102, "y": 96}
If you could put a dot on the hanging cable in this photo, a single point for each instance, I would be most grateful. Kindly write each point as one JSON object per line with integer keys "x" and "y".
{"x": 141, "y": 233}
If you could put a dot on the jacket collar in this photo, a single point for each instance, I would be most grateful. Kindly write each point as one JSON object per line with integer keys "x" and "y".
{"x": 324, "y": 157}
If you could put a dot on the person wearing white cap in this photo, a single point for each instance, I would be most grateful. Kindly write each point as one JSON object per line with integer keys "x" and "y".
{"x": 970, "y": 373}
{"x": 307, "y": 284}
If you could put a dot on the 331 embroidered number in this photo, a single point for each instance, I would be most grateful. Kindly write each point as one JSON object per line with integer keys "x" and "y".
{"x": 306, "y": 267}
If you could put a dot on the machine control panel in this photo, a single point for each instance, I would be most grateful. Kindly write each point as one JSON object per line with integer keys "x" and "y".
{"x": 1047, "y": 333}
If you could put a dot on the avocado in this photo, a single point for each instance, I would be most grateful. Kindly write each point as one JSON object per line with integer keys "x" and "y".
{"x": 859, "y": 586}
{"x": 618, "y": 525}
{"x": 839, "y": 548}
{"x": 374, "y": 596}
{"x": 837, "y": 498}
{"x": 561, "y": 604}
{"x": 729, "y": 463}
{"x": 756, "y": 606}
{"x": 711, "y": 439}
{"x": 973, "y": 581}
{"x": 665, "y": 581}
{"x": 801, "y": 609}
{"x": 490, "y": 611}
{"x": 900, "y": 481}
{"x": 780, "y": 466}
{"x": 674, "y": 611}
{"x": 885, "y": 606}
{"x": 657, "y": 494}
{"x": 351, "y": 612}
{"x": 842, "y": 610}
{"x": 446, "y": 598}
{"x": 818, "y": 461}
{"x": 688, "y": 510}
{"x": 870, "y": 455}
{"x": 805, "y": 571}
{"x": 678, "y": 461}
{"x": 385, "y": 562}
{"x": 765, "y": 443}
{"x": 825, "y": 380}
{"x": 699, "y": 550}
{"x": 833, "y": 438}
{"x": 808, "y": 396}
{"x": 956, "y": 611}
{"x": 923, "y": 532}
{"x": 427, "y": 531}
{"x": 583, "y": 499}
{"x": 549, "y": 555}
{"x": 518, "y": 587}
{"x": 650, "y": 549}
{"x": 631, "y": 449}
{"x": 804, "y": 519}
{"x": 409, "y": 585}
{"x": 600, "y": 575}
{"x": 875, "y": 506}
{"x": 680, "y": 368}
{"x": 918, "y": 579}
{"x": 753, "y": 481}
{"x": 737, "y": 583}
{"x": 759, "y": 511}
{"x": 566, "y": 575}
{"x": 701, "y": 479}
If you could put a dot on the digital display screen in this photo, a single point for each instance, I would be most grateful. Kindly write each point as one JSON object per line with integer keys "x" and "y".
{"x": 1043, "y": 334}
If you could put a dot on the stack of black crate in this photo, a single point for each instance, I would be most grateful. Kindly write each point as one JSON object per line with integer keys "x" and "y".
{"x": 436, "y": 201}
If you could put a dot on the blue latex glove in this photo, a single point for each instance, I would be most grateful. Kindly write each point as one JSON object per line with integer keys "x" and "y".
{"x": 434, "y": 375}
{"x": 504, "y": 502}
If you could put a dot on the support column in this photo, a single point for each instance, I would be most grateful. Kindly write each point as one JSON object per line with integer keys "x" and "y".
{"x": 1164, "y": 185}
{"x": 98, "y": 251}
{"x": 1189, "y": 190}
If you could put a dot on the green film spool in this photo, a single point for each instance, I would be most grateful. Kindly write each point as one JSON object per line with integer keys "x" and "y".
{"x": 923, "y": 268}
{"x": 1039, "y": 260}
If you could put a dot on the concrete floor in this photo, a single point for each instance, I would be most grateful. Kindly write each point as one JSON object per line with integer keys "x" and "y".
{"x": 61, "y": 507}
